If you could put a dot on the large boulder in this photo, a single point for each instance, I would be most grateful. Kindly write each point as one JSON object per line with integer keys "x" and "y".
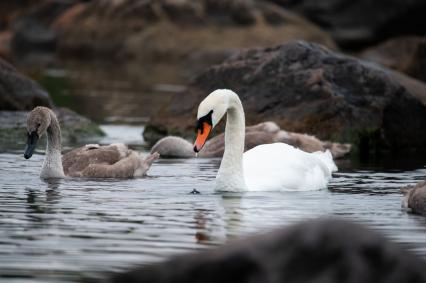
{"x": 406, "y": 54}
{"x": 357, "y": 23}
{"x": 324, "y": 250}
{"x": 18, "y": 92}
{"x": 307, "y": 88}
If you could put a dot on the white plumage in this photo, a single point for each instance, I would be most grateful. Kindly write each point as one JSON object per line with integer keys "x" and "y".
{"x": 279, "y": 166}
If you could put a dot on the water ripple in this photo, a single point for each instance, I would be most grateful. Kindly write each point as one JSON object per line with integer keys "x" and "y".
{"x": 59, "y": 231}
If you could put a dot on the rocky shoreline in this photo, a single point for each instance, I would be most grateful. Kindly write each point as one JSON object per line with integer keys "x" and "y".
{"x": 285, "y": 58}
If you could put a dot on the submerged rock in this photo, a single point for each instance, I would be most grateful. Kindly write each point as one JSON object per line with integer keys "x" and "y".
{"x": 324, "y": 250}
{"x": 307, "y": 88}
{"x": 415, "y": 198}
{"x": 17, "y": 92}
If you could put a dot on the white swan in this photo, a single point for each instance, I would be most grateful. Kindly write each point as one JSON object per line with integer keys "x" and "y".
{"x": 268, "y": 167}
{"x": 94, "y": 161}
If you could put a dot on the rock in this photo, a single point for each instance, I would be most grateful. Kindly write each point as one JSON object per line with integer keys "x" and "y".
{"x": 263, "y": 133}
{"x": 74, "y": 127}
{"x": 18, "y": 92}
{"x": 415, "y": 198}
{"x": 175, "y": 39}
{"x": 323, "y": 250}
{"x": 32, "y": 29}
{"x": 358, "y": 23}
{"x": 405, "y": 54}
{"x": 307, "y": 88}
{"x": 5, "y": 38}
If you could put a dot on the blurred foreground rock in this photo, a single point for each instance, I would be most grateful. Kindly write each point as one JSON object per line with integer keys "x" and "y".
{"x": 415, "y": 198}
{"x": 18, "y": 92}
{"x": 322, "y": 250}
{"x": 307, "y": 88}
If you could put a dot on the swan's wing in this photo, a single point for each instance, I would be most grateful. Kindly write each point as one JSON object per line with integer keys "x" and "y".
{"x": 79, "y": 159}
{"x": 280, "y": 166}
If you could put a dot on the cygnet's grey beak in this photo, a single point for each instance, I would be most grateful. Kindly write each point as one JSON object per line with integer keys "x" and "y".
{"x": 31, "y": 144}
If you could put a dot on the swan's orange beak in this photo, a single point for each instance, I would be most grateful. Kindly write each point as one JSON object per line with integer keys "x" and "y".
{"x": 202, "y": 135}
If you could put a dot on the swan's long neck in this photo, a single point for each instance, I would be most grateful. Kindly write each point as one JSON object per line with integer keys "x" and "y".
{"x": 231, "y": 175}
{"x": 52, "y": 166}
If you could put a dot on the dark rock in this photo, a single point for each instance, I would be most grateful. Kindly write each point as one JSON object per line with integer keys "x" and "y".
{"x": 18, "y": 92}
{"x": 415, "y": 198}
{"x": 152, "y": 134}
{"x": 32, "y": 29}
{"x": 358, "y": 23}
{"x": 405, "y": 54}
{"x": 306, "y": 88}
{"x": 322, "y": 250}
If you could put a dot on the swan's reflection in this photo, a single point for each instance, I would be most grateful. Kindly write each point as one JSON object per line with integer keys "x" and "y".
{"x": 43, "y": 202}
{"x": 232, "y": 206}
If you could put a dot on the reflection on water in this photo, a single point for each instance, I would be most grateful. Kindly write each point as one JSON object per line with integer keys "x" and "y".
{"x": 69, "y": 228}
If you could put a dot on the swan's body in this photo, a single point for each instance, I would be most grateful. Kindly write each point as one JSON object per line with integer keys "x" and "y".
{"x": 113, "y": 161}
{"x": 264, "y": 168}
{"x": 263, "y": 133}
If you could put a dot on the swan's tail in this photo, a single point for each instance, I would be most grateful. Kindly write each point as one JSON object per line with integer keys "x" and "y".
{"x": 327, "y": 159}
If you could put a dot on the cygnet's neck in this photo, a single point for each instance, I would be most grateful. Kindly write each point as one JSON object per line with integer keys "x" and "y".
{"x": 52, "y": 166}
{"x": 231, "y": 175}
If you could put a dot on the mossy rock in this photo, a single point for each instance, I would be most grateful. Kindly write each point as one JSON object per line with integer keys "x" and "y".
{"x": 74, "y": 128}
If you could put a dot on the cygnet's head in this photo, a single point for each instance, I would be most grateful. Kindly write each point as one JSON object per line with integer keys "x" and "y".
{"x": 210, "y": 112}
{"x": 38, "y": 121}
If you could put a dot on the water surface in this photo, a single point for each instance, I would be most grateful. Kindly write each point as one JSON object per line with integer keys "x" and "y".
{"x": 59, "y": 231}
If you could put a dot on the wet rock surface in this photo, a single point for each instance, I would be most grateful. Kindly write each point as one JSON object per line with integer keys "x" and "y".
{"x": 323, "y": 250}
{"x": 18, "y": 92}
{"x": 307, "y": 88}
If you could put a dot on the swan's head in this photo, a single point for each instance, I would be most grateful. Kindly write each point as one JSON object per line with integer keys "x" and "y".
{"x": 210, "y": 111}
{"x": 38, "y": 121}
